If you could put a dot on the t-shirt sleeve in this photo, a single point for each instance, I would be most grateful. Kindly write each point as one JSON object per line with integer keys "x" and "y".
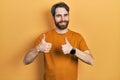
{"x": 82, "y": 44}
{"x": 38, "y": 40}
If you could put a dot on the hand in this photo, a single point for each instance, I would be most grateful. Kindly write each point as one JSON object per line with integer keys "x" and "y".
{"x": 44, "y": 46}
{"x": 66, "y": 48}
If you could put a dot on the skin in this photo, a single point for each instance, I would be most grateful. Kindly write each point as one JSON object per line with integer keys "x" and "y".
{"x": 61, "y": 20}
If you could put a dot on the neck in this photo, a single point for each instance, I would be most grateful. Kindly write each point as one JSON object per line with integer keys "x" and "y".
{"x": 61, "y": 31}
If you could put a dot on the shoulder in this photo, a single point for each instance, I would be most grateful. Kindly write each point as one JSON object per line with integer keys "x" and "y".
{"x": 76, "y": 34}
{"x": 40, "y": 36}
{"x": 49, "y": 32}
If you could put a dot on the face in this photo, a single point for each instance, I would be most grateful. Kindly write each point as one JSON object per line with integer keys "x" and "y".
{"x": 61, "y": 18}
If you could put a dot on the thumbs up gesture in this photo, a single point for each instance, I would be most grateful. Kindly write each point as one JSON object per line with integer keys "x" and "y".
{"x": 66, "y": 48}
{"x": 44, "y": 46}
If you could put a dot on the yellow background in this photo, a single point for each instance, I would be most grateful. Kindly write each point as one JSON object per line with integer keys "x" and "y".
{"x": 21, "y": 21}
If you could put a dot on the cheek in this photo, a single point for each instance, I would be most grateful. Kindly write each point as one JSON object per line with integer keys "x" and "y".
{"x": 66, "y": 18}
{"x": 57, "y": 19}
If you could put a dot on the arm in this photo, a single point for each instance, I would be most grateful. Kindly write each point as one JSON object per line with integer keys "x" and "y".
{"x": 43, "y": 47}
{"x": 30, "y": 56}
{"x": 84, "y": 56}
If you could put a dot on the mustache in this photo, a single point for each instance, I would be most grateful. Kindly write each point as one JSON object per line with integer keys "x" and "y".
{"x": 63, "y": 21}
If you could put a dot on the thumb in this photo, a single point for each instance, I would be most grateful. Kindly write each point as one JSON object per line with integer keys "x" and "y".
{"x": 43, "y": 38}
{"x": 67, "y": 42}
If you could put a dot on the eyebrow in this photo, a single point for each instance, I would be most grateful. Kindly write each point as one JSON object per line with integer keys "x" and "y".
{"x": 60, "y": 14}
{"x": 66, "y": 14}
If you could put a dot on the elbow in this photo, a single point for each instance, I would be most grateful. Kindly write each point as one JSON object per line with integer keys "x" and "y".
{"x": 90, "y": 62}
{"x": 26, "y": 62}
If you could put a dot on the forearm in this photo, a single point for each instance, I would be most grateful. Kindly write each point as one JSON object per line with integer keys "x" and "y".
{"x": 84, "y": 56}
{"x": 30, "y": 56}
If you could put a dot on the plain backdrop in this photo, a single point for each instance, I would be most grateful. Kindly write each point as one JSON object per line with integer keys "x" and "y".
{"x": 22, "y": 21}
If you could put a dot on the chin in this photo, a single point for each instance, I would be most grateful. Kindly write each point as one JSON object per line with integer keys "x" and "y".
{"x": 61, "y": 26}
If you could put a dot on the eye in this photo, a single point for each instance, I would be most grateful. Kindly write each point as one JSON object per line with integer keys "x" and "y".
{"x": 65, "y": 14}
{"x": 58, "y": 15}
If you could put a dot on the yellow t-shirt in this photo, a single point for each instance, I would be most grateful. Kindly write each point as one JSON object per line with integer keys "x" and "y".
{"x": 59, "y": 66}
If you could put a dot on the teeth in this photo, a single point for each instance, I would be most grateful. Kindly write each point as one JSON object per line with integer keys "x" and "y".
{"x": 62, "y": 23}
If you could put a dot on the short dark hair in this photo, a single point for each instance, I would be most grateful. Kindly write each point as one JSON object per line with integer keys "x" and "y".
{"x": 60, "y": 4}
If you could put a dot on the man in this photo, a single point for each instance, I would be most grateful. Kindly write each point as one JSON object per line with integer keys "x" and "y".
{"x": 61, "y": 48}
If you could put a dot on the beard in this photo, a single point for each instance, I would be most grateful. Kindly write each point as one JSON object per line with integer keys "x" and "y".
{"x": 61, "y": 27}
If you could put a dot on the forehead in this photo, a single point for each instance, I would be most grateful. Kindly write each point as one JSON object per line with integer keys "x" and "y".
{"x": 61, "y": 10}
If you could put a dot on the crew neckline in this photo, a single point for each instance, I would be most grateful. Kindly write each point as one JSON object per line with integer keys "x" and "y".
{"x": 62, "y": 33}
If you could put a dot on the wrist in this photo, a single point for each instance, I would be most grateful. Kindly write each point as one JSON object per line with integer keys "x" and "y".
{"x": 37, "y": 50}
{"x": 73, "y": 51}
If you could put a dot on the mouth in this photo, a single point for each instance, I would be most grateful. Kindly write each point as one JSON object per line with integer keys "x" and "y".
{"x": 63, "y": 23}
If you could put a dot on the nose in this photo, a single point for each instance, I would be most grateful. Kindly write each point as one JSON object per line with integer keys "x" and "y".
{"x": 62, "y": 18}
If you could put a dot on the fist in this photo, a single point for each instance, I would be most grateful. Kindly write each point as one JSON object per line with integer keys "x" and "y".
{"x": 44, "y": 46}
{"x": 66, "y": 48}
